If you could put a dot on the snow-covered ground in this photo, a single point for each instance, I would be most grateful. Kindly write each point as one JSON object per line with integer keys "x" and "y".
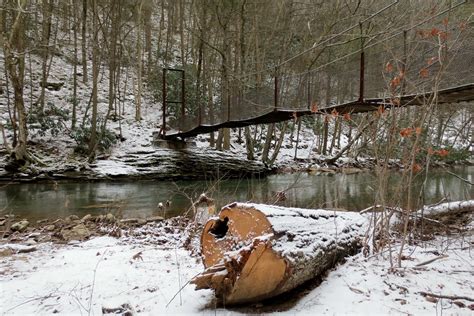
{"x": 149, "y": 272}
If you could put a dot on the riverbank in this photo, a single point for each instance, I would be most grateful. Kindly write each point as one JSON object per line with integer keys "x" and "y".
{"x": 147, "y": 267}
{"x": 194, "y": 163}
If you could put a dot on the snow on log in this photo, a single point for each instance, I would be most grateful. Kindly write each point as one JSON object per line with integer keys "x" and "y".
{"x": 253, "y": 251}
{"x": 448, "y": 208}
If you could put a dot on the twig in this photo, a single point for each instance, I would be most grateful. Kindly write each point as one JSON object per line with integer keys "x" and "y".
{"x": 93, "y": 283}
{"x": 449, "y": 297}
{"x": 179, "y": 277}
{"x": 460, "y": 178}
{"x": 181, "y": 288}
{"x": 32, "y": 300}
{"x": 431, "y": 260}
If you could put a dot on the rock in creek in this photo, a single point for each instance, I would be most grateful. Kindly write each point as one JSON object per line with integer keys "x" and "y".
{"x": 20, "y": 226}
{"x": 78, "y": 232}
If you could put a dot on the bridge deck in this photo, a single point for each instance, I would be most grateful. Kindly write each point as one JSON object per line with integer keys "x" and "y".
{"x": 450, "y": 95}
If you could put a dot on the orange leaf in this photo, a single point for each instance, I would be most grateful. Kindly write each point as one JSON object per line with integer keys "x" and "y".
{"x": 347, "y": 116}
{"x": 380, "y": 110}
{"x": 388, "y": 67}
{"x": 416, "y": 167}
{"x": 334, "y": 113}
{"x": 443, "y": 35}
{"x": 434, "y": 31}
{"x": 442, "y": 152}
{"x": 431, "y": 151}
{"x": 406, "y": 132}
{"x": 418, "y": 130}
{"x": 314, "y": 107}
{"x": 424, "y": 73}
{"x": 431, "y": 61}
{"x": 395, "y": 82}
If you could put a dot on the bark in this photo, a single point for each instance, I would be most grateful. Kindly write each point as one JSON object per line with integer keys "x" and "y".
{"x": 253, "y": 252}
{"x": 268, "y": 142}
{"x": 249, "y": 143}
{"x": 84, "y": 41}
{"x": 95, "y": 80}
{"x": 14, "y": 51}
{"x": 74, "y": 88}
{"x": 46, "y": 34}
{"x": 138, "y": 90}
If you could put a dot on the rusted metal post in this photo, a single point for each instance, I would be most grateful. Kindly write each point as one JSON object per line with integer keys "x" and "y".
{"x": 404, "y": 63}
{"x": 183, "y": 98}
{"x": 362, "y": 66}
{"x": 361, "y": 78}
{"x": 163, "y": 127}
{"x": 309, "y": 92}
{"x": 199, "y": 114}
{"x": 228, "y": 105}
{"x": 276, "y": 93}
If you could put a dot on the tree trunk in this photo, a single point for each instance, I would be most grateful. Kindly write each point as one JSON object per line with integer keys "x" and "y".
{"x": 84, "y": 41}
{"x": 45, "y": 35}
{"x": 253, "y": 252}
{"x": 95, "y": 80}
{"x": 138, "y": 90}
{"x": 14, "y": 52}
{"x": 249, "y": 143}
{"x": 74, "y": 88}
{"x": 268, "y": 142}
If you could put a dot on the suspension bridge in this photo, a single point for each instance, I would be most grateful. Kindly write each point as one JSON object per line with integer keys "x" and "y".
{"x": 430, "y": 62}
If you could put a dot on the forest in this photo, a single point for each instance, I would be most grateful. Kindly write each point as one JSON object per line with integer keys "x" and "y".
{"x": 156, "y": 145}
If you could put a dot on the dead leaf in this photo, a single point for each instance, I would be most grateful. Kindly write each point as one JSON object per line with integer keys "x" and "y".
{"x": 138, "y": 256}
{"x": 459, "y": 304}
{"x": 431, "y": 299}
{"x": 424, "y": 73}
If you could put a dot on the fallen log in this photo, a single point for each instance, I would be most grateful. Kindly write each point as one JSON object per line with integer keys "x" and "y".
{"x": 253, "y": 251}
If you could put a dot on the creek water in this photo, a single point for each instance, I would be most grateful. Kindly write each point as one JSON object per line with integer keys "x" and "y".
{"x": 36, "y": 201}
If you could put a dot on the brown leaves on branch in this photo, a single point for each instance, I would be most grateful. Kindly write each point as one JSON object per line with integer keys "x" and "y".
{"x": 424, "y": 73}
{"x": 440, "y": 152}
{"x": 408, "y": 131}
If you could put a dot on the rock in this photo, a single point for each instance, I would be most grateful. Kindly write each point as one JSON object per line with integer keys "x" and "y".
{"x": 141, "y": 222}
{"x": 50, "y": 228}
{"x": 110, "y": 218}
{"x": 56, "y": 86}
{"x": 78, "y": 232}
{"x": 348, "y": 170}
{"x": 20, "y": 226}
{"x": 30, "y": 242}
{"x": 154, "y": 219}
{"x": 6, "y": 252}
{"x": 129, "y": 221}
{"x": 86, "y": 218}
{"x": 71, "y": 219}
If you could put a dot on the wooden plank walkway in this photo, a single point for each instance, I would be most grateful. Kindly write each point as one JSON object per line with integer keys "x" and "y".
{"x": 450, "y": 95}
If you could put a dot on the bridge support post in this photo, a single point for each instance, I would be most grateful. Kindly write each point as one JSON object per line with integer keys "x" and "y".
{"x": 361, "y": 76}
{"x": 362, "y": 67}
{"x": 309, "y": 91}
{"x": 163, "y": 126}
{"x": 183, "y": 97}
{"x": 276, "y": 93}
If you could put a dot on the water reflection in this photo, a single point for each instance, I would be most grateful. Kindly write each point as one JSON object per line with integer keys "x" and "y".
{"x": 141, "y": 198}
